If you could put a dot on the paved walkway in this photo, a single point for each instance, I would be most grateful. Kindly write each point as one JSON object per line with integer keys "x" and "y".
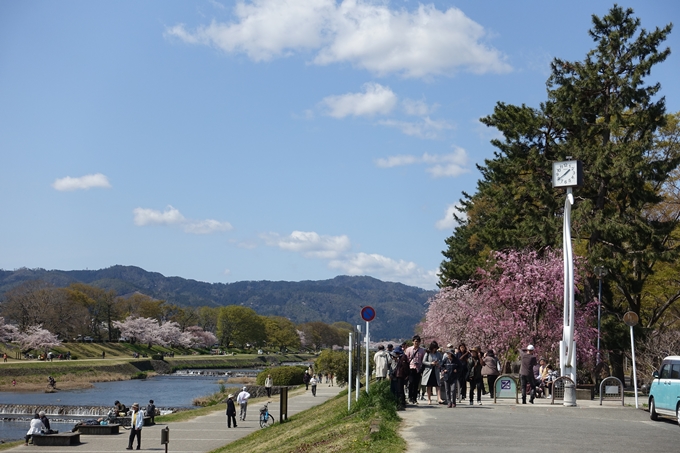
{"x": 539, "y": 428}
{"x": 201, "y": 434}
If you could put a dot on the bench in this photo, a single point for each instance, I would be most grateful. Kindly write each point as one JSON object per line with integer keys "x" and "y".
{"x": 126, "y": 421}
{"x": 44, "y": 440}
{"x": 99, "y": 429}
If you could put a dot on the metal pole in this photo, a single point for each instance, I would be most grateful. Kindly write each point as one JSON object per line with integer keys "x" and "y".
{"x": 349, "y": 378}
{"x": 599, "y": 317}
{"x": 632, "y": 348}
{"x": 567, "y": 352}
{"x": 358, "y": 373}
{"x": 368, "y": 367}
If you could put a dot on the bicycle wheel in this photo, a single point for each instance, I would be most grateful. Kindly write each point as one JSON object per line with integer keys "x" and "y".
{"x": 266, "y": 420}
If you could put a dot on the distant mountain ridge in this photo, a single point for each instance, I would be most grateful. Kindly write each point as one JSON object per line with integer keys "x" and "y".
{"x": 399, "y": 307}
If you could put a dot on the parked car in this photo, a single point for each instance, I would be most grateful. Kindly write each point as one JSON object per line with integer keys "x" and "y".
{"x": 664, "y": 390}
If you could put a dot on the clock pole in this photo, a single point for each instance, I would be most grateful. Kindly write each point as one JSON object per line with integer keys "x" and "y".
{"x": 568, "y": 174}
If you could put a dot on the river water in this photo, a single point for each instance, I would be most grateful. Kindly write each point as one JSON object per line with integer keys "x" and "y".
{"x": 167, "y": 391}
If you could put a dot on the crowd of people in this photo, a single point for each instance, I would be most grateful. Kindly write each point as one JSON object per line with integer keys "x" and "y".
{"x": 454, "y": 374}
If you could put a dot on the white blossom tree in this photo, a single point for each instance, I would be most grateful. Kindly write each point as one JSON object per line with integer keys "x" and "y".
{"x": 138, "y": 329}
{"x": 169, "y": 334}
{"x": 35, "y": 337}
{"x": 8, "y": 332}
{"x": 196, "y": 337}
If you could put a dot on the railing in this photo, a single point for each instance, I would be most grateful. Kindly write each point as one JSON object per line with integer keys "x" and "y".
{"x": 613, "y": 391}
{"x": 558, "y": 387}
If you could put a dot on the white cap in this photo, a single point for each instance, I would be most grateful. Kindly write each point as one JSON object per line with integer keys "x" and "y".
{"x": 530, "y": 347}
{"x": 245, "y": 388}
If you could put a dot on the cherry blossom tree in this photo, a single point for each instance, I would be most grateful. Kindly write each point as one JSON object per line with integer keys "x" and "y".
{"x": 8, "y": 332}
{"x": 169, "y": 334}
{"x": 35, "y": 337}
{"x": 138, "y": 329}
{"x": 517, "y": 300}
{"x": 196, "y": 337}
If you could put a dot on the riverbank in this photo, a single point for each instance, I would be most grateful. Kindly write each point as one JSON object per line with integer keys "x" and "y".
{"x": 31, "y": 375}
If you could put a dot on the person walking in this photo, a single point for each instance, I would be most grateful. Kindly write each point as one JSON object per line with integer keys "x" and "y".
{"x": 450, "y": 369}
{"x": 313, "y": 381}
{"x": 136, "y": 423}
{"x": 431, "y": 370}
{"x": 526, "y": 373}
{"x": 475, "y": 376}
{"x": 402, "y": 372}
{"x": 242, "y": 400}
{"x": 306, "y": 379}
{"x": 381, "y": 359}
{"x": 463, "y": 356}
{"x": 268, "y": 384}
{"x": 415, "y": 355}
{"x": 231, "y": 411}
{"x": 491, "y": 369}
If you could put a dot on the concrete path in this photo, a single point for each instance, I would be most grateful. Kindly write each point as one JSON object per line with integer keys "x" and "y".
{"x": 201, "y": 434}
{"x": 540, "y": 428}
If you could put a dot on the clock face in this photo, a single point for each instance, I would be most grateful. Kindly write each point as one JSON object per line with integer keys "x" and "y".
{"x": 566, "y": 174}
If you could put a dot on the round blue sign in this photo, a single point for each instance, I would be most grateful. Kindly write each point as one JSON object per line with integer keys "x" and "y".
{"x": 368, "y": 314}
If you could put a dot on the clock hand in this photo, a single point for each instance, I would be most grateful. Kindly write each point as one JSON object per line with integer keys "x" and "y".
{"x": 565, "y": 174}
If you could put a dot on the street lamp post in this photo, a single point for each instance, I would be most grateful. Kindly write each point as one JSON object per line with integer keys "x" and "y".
{"x": 601, "y": 272}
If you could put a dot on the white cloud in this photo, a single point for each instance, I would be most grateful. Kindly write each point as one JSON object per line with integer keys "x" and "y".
{"x": 425, "y": 128}
{"x": 336, "y": 251}
{"x": 227, "y": 272}
{"x": 448, "y": 222}
{"x": 172, "y": 216}
{"x": 370, "y": 35}
{"x": 375, "y": 99}
{"x": 68, "y": 184}
{"x": 310, "y": 244}
{"x": 417, "y": 108}
{"x": 444, "y": 165}
{"x": 385, "y": 268}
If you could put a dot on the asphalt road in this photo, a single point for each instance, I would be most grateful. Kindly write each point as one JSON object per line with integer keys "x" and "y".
{"x": 537, "y": 428}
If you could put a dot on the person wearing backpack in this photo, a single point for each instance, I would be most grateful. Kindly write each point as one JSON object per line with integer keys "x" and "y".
{"x": 402, "y": 372}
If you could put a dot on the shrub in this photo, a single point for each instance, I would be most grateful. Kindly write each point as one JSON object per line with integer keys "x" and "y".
{"x": 74, "y": 357}
{"x": 283, "y": 375}
{"x": 157, "y": 357}
{"x": 140, "y": 375}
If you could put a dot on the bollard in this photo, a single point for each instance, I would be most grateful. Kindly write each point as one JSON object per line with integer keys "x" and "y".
{"x": 569, "y": 393}
{"x": 165, "y": 437}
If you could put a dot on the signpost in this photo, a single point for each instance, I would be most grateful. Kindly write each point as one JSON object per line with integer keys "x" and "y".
{"x": 368, "y": 315}
{"x": 631, "y": 319}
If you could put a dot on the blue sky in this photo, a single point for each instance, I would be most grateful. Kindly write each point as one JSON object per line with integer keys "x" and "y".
{"x": 265, "y": 140}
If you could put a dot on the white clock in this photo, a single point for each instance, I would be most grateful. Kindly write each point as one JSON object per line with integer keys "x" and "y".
{"x": 567, "y": 174}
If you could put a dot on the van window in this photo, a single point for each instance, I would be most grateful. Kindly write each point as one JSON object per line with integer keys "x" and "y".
{"x": 675, "y": 371}
{"x": 666, "y": 371}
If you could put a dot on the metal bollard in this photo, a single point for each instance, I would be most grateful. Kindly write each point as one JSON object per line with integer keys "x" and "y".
{"x": 569, "y": 393}
{"x": 165, "y": 437}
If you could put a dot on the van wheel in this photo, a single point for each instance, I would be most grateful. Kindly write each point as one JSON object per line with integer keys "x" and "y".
{"x": 652, "y": 410}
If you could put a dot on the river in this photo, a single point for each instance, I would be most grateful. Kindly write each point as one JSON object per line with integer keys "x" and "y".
{"x": 167, "y": 391}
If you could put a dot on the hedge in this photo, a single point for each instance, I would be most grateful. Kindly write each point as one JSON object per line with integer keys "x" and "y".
{"x": 283, "y": 375}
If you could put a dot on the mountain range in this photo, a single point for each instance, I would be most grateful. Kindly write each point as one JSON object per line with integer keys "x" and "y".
{"x": 398, "y": 307}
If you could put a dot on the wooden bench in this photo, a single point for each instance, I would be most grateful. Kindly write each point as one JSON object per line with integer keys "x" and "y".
{"x": 99, "y": 429}
{"x": 44, "y": 440}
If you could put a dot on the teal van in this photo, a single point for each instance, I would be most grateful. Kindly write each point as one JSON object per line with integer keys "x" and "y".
{"x": 664, "y": 391}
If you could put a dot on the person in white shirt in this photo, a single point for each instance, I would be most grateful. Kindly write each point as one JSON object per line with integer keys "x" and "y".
{"x": 37, "y": 427}
{"x": 313, "y": 382}
{"x": 242, "y": 400}
{"x": 136, "y": 423}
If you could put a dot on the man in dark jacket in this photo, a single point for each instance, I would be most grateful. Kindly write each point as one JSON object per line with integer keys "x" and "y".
{"x": 526, "y": 373}
{"x": 231, "y": 411}
{"x": 402, "y": 372}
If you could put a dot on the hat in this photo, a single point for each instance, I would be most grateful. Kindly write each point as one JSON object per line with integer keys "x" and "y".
{"x": 244, "y": 388}
{"x": 231, "y": 395}
{"x": 451, "y": 351}
{"x": 135, "y": 404}
{"x": 450, "y": 346}
{"x": 530, "y": 347}
{"x": 398, "y": 350}
{"x": 476, "y": 349}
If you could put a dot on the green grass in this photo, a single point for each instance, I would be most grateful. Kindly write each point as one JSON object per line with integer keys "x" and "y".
{"x": 10, "y": 445}
{"x": 330, "y": 428}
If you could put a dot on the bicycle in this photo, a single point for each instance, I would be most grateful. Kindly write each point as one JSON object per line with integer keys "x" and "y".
{"x": 266, "y": 419}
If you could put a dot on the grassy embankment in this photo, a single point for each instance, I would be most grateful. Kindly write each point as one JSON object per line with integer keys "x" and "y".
{"x": 371, "y": 426}
{"x": 31, "y": 375}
